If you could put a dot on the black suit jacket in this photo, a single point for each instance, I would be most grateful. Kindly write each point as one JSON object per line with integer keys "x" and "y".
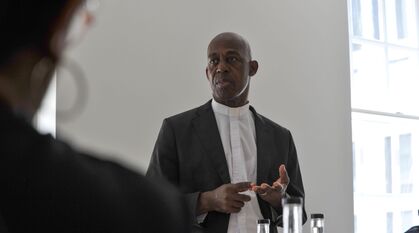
{"x": 189, "y": 153}
{"x": 46, "y": 186}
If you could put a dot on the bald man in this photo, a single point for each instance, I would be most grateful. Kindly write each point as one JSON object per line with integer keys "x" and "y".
{"x": 233, "y": 164}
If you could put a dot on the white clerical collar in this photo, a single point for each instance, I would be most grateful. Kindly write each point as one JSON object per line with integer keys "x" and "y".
{"x": 229, "y": 111}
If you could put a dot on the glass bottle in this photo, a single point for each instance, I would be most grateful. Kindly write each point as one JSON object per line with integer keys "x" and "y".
{"x": 263, "y": 226}
{"x": 292, "y": 214}
{"x": 317, "y": 223}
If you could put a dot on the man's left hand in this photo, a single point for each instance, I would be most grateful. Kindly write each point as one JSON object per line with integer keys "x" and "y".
{"x": 275, "y": 192}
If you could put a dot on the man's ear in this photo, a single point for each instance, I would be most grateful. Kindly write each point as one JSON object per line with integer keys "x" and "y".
{"x": 206, "y": 73}
{"x": 253, "y": 67}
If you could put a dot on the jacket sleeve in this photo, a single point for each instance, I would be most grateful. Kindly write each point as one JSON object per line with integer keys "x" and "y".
{"x": 164, "y": 159}
{"x": 295, "y": 187}
{"x": 164, "y": 163}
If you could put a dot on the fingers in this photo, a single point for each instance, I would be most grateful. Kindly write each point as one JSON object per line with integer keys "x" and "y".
{"x": 229, "y": 199}
{"x": 242, "y": 186}
{"x": 231, "y": 206}
{"x": 252, "y": 185}
{"x": 235, "y": 205}
{"x": 283, "y": 175}
{"x": 242, "y": 197}
{"x": 277, "y": 186}
{"x": 263, "y": 189}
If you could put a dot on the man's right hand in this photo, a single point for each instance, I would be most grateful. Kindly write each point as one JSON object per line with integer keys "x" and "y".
{"x": 225, "y": 199}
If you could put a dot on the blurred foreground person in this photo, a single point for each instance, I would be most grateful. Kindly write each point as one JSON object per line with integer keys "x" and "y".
{"x": 45, "y": 185}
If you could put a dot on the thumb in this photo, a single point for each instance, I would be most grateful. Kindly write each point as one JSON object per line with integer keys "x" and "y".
{"x": 283, "y": 174}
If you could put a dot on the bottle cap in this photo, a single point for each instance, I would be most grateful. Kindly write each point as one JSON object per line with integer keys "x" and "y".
{"x": 263, "y": 221}
{"x": 317, "y": 215}
{"x": 292, "y": 200}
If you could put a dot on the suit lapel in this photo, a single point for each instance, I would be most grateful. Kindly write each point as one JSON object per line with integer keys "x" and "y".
{"x": 207, "y": 131}
{"x": 265, "y": 150}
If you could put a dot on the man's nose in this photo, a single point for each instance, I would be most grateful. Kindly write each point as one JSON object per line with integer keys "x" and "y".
{"x": 222, "y": 66}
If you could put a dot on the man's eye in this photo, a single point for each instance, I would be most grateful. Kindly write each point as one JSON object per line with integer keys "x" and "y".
{"x": 213, "y": 61}
{"x": 232, "y": 59}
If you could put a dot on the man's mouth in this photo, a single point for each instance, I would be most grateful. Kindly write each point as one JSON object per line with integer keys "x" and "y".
{"x": 222, "y": 83}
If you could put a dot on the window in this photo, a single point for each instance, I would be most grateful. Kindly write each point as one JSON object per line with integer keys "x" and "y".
{"x": 405, "y": 157}
{"x": 387, "y": 154}
{"x": 401, "y": 19}
{"x": 390, "y": 222}
{"x": 406, "y": 220}
{"x": 384, "y": 37}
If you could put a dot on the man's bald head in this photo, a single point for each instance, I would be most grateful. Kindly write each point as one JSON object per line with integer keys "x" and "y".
{"x": 229, "y": 69}
{"x": 234, "y": 40}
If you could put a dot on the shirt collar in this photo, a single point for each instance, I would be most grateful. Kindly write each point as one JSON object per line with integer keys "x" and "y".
{"x": 229, "y": 111}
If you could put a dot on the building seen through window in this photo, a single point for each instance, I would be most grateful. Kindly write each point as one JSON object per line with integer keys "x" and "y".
{"x": 384, "y": 37}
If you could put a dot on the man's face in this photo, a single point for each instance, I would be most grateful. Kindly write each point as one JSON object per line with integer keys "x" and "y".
{"x": 228, "y": 71}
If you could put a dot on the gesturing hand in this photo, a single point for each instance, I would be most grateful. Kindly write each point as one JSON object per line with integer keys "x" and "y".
{"x": 225, "y": 199}
{"x": 273, "y": 194}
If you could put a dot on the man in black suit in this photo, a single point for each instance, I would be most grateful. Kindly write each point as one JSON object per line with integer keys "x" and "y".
{"x": 233, "y": 164}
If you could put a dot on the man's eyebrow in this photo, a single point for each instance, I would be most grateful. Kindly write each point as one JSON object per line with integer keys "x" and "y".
{"x": 233, "y": 52}
{"x": 212, "y": 54}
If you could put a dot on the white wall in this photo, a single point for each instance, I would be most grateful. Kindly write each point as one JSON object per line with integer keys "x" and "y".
{"x": 145, "y": 60}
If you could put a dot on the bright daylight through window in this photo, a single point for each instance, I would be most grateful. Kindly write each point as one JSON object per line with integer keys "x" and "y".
{"x": 384, "y": 37}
